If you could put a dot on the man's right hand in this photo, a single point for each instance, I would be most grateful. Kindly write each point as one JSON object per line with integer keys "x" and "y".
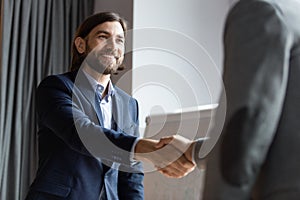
{"x": 168, "y": 159}
{"x": 183, "y": 144}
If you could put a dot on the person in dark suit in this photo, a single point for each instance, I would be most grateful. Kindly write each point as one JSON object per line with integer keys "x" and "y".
{"x": 89, "y": 145}
{"x": 257, "y": 154}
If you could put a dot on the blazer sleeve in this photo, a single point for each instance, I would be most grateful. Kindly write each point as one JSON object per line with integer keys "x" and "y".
{"x": 257, "y": 50}
{"x": 58, "y": 112}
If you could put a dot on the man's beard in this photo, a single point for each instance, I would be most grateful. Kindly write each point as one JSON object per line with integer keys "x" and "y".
{"x": 102, "y": 64}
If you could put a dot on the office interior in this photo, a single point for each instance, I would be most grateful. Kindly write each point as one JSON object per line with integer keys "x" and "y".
{"x": 173, "y": 61}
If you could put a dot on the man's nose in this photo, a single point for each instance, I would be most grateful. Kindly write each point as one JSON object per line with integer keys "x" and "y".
{"x": 111, "y": 43}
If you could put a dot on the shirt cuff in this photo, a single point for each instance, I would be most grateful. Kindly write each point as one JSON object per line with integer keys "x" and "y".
{"x": 193, "y": 153}
{"x": 196, "y": 148}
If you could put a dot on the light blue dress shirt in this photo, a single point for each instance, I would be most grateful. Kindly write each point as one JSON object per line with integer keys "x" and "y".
{"x": 106, "y": 107}
{"x": 106, "y": 102}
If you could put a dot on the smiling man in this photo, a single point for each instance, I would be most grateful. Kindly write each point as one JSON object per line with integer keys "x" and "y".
{"x": 104, "y": 47}
{"x": 89, "y": 145}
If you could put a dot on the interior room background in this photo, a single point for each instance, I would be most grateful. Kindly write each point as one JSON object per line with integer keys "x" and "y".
{"x": 35, "y": 42}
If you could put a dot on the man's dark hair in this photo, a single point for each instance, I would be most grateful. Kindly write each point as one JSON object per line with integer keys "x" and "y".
{"x": 85, "y": 28}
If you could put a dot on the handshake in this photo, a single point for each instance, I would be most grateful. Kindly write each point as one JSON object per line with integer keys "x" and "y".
{"x": 171, "y": 155}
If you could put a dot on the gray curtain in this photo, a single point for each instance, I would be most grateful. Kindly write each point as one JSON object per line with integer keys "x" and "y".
{"x": 36, "y": 41}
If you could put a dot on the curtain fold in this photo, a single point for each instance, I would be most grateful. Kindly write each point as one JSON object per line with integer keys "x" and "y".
{"x": 36, "y": 41}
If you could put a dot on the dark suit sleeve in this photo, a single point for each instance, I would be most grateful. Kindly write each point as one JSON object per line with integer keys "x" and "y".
{"x": 61, "y": 114}
{"x": 257, "y": 45}
{"x": 130, "y": 180}
{"x": 257, "y": 51}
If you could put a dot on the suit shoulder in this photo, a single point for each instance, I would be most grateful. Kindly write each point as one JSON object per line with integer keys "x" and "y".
{"x": 244, "y": 6}
{"x": 125, "y": 96}
{"x": 66, "y": 79}
{"x": 249, "y": 19}
{"x": 258, "y": 9}
{"x": 122, "y": 92}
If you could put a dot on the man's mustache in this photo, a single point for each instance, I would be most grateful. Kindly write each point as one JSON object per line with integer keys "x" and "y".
{"x": 109, "y": 53}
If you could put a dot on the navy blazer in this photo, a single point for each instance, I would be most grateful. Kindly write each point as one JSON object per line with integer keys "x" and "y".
{"x": 77, "y": 156}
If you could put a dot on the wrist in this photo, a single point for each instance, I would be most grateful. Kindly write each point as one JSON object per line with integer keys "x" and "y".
{"x": 189, "y": 154}
{"x": 142, "y": 147}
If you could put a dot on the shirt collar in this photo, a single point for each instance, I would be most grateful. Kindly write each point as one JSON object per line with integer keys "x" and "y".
{"x": 94, "y": 84}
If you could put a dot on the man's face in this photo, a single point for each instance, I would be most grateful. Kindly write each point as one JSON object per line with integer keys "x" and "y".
{"x": 105, "y": 47}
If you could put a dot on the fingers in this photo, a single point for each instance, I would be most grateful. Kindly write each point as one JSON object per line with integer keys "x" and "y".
{"x": 181, "y": 166}
{"x": 171, "y": 173}
{"x": 169, "y": 159}
{"x": 178, "y": 169}
{"x": 163, "y": 141}
{"x": 180, "y": 142}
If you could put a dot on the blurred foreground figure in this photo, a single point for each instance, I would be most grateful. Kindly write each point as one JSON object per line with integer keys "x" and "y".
{"x": 257, "y": 155}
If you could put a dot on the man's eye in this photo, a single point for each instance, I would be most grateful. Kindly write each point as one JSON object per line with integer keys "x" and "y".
{"x": 120, "y": 41}
{"x": 102, "y": 36}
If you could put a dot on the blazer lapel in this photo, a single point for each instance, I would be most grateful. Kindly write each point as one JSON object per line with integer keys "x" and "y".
{"x": 117, "y": 111}
{"x": 86, "y": 89}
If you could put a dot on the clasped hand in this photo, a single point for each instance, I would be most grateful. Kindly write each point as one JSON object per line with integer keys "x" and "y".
{"x": 171, "y": 155}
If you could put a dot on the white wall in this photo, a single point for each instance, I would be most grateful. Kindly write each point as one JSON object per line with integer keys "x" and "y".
{"x": 177, "y": 61}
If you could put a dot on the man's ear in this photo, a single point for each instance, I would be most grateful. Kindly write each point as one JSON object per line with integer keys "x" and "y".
{"x": 80, "y": 45}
